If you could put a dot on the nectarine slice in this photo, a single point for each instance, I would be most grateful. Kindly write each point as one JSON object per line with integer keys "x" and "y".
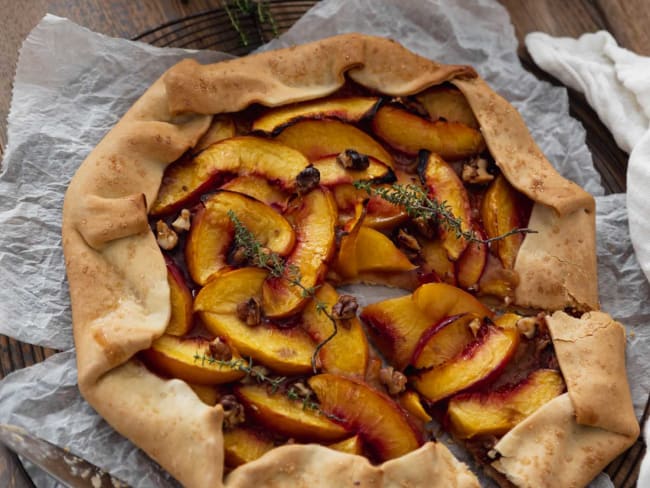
{"x": 208, "y": 394}
{"x": 435, "y": 260}
{"x": 442, "y": 102}
{"x": 443, "y": 341}
{"x": 289, "y": 417}
{"x": 352, "y": 445}
{"x": 319, "y": 138}
{"x": 184, "y": 181}
{"x": 478, "y": 363}
{"x": 376, "y": 252}
{"x": 351, "y": 109}
{"x": 376, "y": 417}
{"x": 260, "y": 189}
{"x": 222, "y": 127}
{"x": 440, "y": 300}
{"x": 496, "y": 412}
{"x": 410, "y": 133}
{"x": 500, "y": 213}
{"x": 180, "y": 321}
{"x": 444, "y": 185}
{"x": 284, "y": 350}
{"x": 314, "y": 217}
{"x": 471, "y": 264}
{"x": 347, "y": 352}
{"x": 242, "y": 445}
{"x": 411, "y": 402}
{"x": 332, "y": 173}
{"x": 189, "y": 360}
{"x": 345, "y": 263}
{"x": 212, "y": 232}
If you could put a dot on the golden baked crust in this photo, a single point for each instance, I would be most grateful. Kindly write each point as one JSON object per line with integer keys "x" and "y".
{"x": 117, "y": 275}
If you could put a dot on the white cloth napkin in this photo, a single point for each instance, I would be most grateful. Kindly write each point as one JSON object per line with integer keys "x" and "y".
{"x": 616, "y": 83}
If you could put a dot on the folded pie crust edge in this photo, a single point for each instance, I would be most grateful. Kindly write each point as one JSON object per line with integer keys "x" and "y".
{"x": 117, "y": 276}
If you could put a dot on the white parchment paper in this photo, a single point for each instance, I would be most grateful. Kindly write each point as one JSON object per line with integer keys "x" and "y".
{"x": 72, "y": 85}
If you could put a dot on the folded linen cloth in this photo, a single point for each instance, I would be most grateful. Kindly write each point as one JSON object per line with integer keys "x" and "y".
{"x": 616, "y": 83}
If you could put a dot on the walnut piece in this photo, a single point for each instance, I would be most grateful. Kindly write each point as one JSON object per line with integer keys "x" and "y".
{"x": 408, "y": 244}
{"x": 345, "y": 308}
{"x": 474, "y": 326}
{"x": 219, "y": 350}
{"x": 307, "y": 180}
{"x": 351, "y": 159}
{"x": 527, "y": 326}
{"x": 250, "y": 312}
{"x": 166, "y": 237}
{"x": 394, "y": 380}
{"x": 475, "y": 172}
{"x": 183, "y": 222}
{"x": 233, "y": 411}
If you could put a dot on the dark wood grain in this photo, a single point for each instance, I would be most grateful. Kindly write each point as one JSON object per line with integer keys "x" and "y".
{"x": 12, "y": 473}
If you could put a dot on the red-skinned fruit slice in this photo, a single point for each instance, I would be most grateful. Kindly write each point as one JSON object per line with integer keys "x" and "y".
{"x": 443, "y": 102}
{"x": 496, "y": 412}
{"x": 444, "y": 185}
{"x": 180, "y": 321}
{"x": 411, "y": 133}
{"x": 184, "y": 181}
{"x": 208, "y": 394}
{"x": 319, "y": 138}
{"x": 332, "y": 173}
{"x": 500, "y": 213}
{"x": 351, "y": 109}
{"x": 260, "y": 189}
{"x": 347, "y": 352}
{"x": 213, "y": 231}
{"x": 189, "y": 360}
{"x": 471, "y": 264}
{"x": 439, "y": 300}
{"x": 284, "y": 350}
{"x": 436, "y": 261}
{"x": 444, "y": 341}
{"x": 478, "y": 364}
{"x": 314, "y": 217}
{"x": 242, "y": 445}
{"x": 376, "y": 252}
{"x": 377, "y": 418}
{"x": 411, "y": 402}
{"x": 345, "y": 263}
{"x": 352, "y": 445}
{"x": 222, "y": 127}
{"x": 288, "y": 417}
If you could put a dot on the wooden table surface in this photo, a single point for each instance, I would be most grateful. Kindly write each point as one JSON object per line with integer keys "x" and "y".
{"x": 627, "y": 20}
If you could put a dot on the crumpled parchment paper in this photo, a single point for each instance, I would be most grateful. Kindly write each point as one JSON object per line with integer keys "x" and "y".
{"x": 72, "y": 85}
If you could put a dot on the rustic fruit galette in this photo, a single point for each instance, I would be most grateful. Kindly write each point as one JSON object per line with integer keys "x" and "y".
{"x": 207, "y": 234}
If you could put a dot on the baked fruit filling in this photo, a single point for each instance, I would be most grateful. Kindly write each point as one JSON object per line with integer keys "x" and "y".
{"x": 274, "y": 208}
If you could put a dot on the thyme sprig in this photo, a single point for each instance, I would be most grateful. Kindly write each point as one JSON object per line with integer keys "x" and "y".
{"x": 262, "y": 257}
{"x": 417, "y": 204}
{"x": 259, "y": 8}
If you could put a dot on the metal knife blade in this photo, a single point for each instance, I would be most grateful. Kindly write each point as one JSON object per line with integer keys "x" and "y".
{"x": 62, "y": 465}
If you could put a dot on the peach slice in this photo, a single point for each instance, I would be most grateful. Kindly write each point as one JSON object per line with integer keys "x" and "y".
{"x": 212, "y": 232}
{"x": 332, "y": 173}
{"x": 352, "y": 445}
{"x": 497, "y": 280}
{"x": 411, "y": 133}
{"x": 439, "y": 300}
{"x": 500, "y": 213}
{"x": 443, "y": 341}
{"x": 411, "y": 402}
{"x": 289, "y": 417}
{"x": 351, "y": 109}
{"x": 496, "y": 412}
{"x": 373, "y": 415}
{"x": 442, "y": 102}
{"x": 395, "y": 325}
{"x": 347, "y": 352}
{"x": 242, "y": 445}
{"x": 180, "y": 321}
{"x": 314, "y": 217}
{"x": 319, "y": 138}
{"x": 345, "y": 263}
{"x": 471, "y": 264}
{"x": 376, "y": 252}
{"x": 479, "y": 363}
{"x": 436, "y": 261}
{"x": 186, "y": 179}
{"x": 444, "y": 185}
{"x": 208, "y": 394}
{"x": 189, "y": 360}
{"x": 380, "y": 213}
{"x": 260, "y": 189}
{"x": 284, "y": 350}
{"x": 222, "y": 127}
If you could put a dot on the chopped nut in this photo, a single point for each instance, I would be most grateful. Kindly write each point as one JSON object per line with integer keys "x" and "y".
{"x": 492, "y": 453}
{"x": 219, "y": 350}
{"x": 474, "y": 326}
{"x": 408, "y": 243}
{"x": 527, "y": 326}
{"x": 302, "y": 390}
{"x": 166, "y": 237}
{"x": 345, "y": 308}
{"x": 307, "y": 180}
{"x": 475, "y": 172}
{"x": 239, "y": 256}
{"x": 182, "y": 223}
{"x": 394, "y": 380}
{"x": 233, "y": 411}
{"x": 351, "y": 159}
{"x": 250, "y": 312}
{"x": 256, "y": 373}
{"x": 426, "y": 227}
